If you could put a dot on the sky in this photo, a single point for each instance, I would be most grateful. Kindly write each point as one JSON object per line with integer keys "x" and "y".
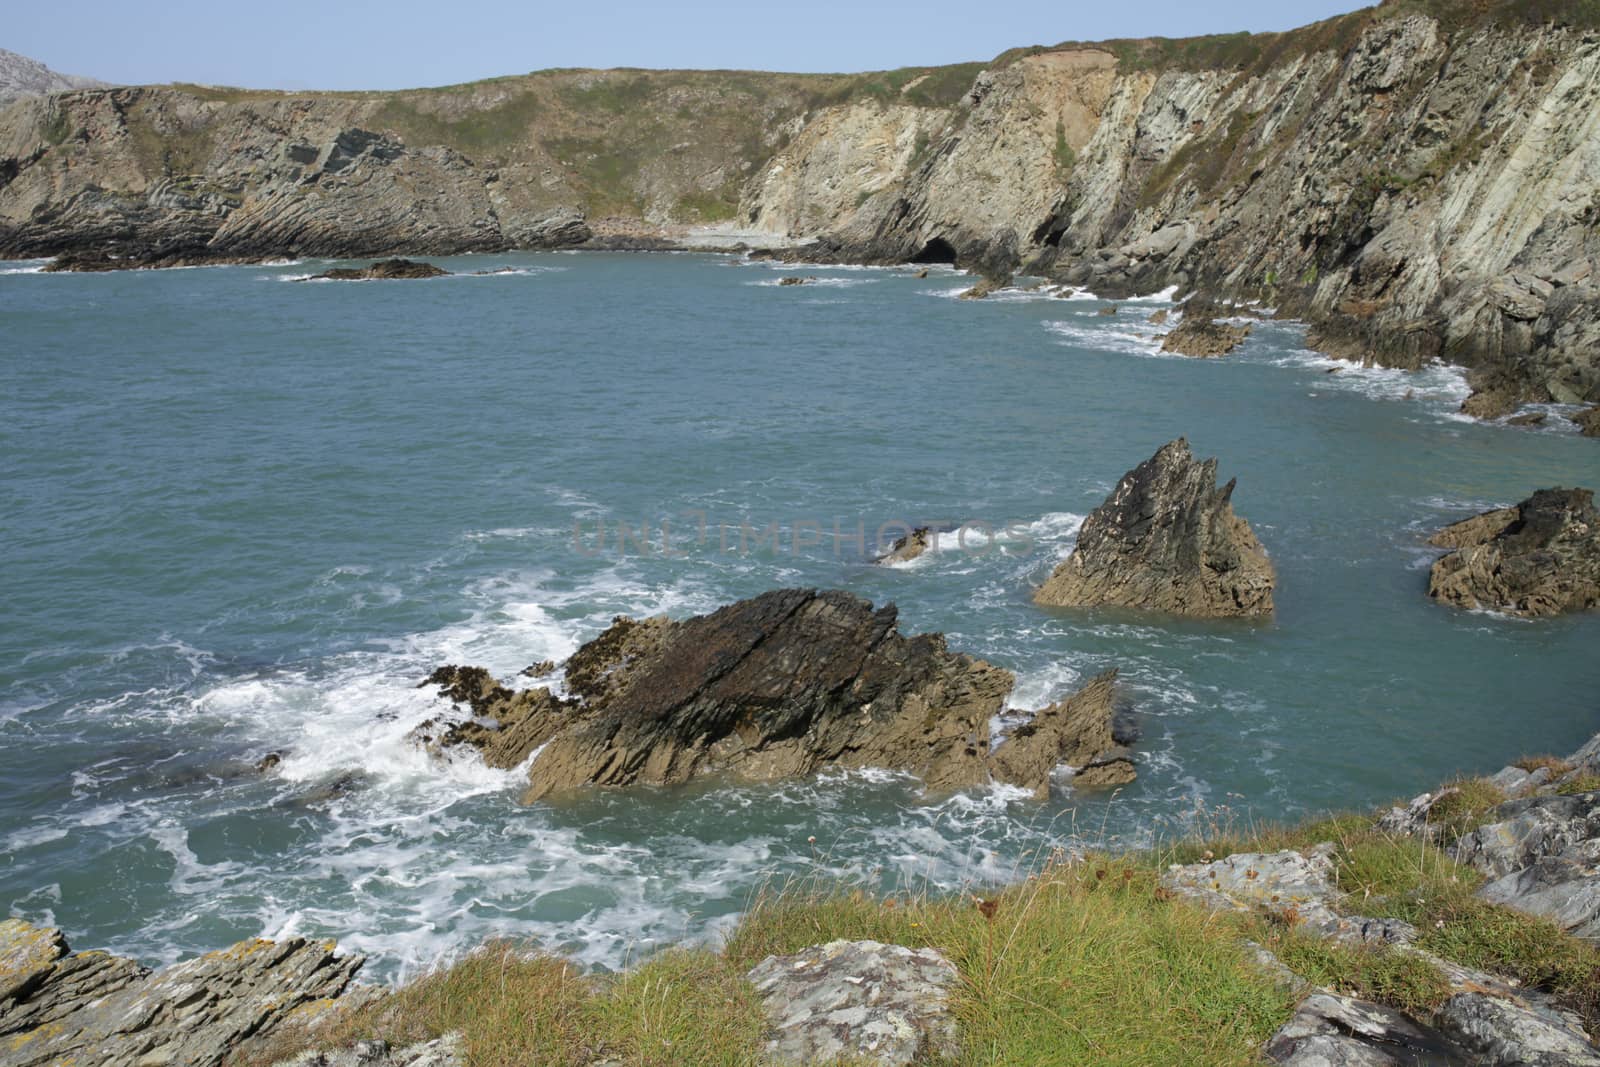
{"x": 346, "y": 44}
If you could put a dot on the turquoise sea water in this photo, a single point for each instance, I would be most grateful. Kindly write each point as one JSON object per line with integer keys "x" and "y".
{"x": 242, "y": 516}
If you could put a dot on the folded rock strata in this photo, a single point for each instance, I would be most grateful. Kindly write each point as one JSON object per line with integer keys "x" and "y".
{"x": 1541, "y": 557}
{"x": 57, "y": 1007}
{"x": 777, "y": 686}
{"x": 1166, "y": 539}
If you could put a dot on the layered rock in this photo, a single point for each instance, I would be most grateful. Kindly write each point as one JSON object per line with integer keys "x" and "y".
{"x": 57, "y": 1007}
{"x": 777, "y": 686}
{"x": 1167, "y": 540}
{"x": 1539, "y": 855}
{"x": 1541, "y": 557}
{"x": 858, "y": 1002}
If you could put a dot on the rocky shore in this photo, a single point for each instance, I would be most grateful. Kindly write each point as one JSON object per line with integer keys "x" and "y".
{"x": 1415, "y": 183}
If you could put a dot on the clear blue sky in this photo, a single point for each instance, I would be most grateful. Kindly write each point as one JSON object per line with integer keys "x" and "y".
{"x": 342, "y": 44}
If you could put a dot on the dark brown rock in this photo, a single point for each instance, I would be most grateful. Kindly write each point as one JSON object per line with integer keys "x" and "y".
{"x": 1200, "y": 335}
{"x": 1540, "y": 558}
{"x": 793, "y": 279}
{"x": 1589, "y": 421}
{"x": 1532, "y": 418}
{"x": 383, "y": 269}
{"x": 777, "y": 686}
{"x": 1166, "y": 539}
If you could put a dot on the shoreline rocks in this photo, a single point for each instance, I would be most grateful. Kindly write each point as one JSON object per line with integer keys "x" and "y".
{"x": 58, "y": 1007}
{"x": 1541, "y": 557}
{"x": 1166, "y": 540}
{"x": 778, "y": 686}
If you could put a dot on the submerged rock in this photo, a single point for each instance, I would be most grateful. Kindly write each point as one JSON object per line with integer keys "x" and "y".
{"x": 859, "y": 1002}
{"x": 1166, "y": 539}
{"x": 1541, "y": 557}
{"x": 91, "y": 1007}
{"x": 778, "y": 686}
{"x": 381, "y": 270}
{"x": 795, "y": 280}
{"x": 907, "y": 548}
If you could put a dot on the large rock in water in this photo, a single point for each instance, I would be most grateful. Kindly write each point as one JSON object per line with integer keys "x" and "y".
{"x": 1166, "y": 539}
{"x": 1200, "y": 335}
{"x": 777, "y": 686}
{"x": 1541, "y": 557}
{"x": 57, "y": 1007}
{"x": 382, "y": 270}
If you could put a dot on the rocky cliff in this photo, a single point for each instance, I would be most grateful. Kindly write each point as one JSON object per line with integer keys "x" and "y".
{"x": 1417, "y": 180}
{"x": 22, "y": 77}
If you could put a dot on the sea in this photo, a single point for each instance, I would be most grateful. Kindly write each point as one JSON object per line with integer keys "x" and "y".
{"x": 244, "y": 515}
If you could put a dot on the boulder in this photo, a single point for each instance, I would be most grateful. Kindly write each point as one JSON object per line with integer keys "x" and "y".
{"x": 1166, "y": 539}
{"x": 1500, "y": 1031}
{"x": 1540, "y": 558}
{"x": 57, "y": 1007}
{"x": 777, "y": 686}
{"x": 383, "y": 269}
{"x": 985, "y": 287}
{"x": 1200, "y": 335}
{"x": 907, "y": 548}
{"x": 861, "y": 1002}
{"x": 793, "y": 279}
{"x": 1588, "y": 421}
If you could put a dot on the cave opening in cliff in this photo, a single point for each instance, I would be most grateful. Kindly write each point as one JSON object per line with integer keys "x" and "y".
{"x": 937, "y": 250}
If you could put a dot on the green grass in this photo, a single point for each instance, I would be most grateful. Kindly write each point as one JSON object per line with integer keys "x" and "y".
{"x": 1370, "y": 972}
{"x": 1084, "y": 963}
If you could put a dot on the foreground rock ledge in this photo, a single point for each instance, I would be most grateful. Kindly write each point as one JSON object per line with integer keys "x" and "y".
{"x": 1166, "y": 539}
{"x": 778, "y": 686}
{"x": 57, "y": 1007}
{"x": 1541, "y": 557}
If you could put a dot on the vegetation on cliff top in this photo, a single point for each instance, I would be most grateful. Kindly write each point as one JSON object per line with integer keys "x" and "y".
{"x": 1085, "y": 959}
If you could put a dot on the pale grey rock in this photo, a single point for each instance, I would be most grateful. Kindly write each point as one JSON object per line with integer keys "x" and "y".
{"x": 58, "y": 1008}
{"x": 1329, "y": 1030}
{"x": 1509, "y": 779}
{"x": 22, "y": 77}
{"x": 1502, "y": 1033}
{"x": 1541, "y": 857}
{"x": 860, "y": 1001}
{"x": 1414, "y": 820}
{"x": 447, "y": 1051}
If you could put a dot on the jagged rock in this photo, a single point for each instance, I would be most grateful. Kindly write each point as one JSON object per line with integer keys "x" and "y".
{"x": 1414, "y": 820}
{"x": 1329, "y": 1030}
{"x": 382, "y": 270}
{"x": 1166, "y": 539}
{"x": 907, "y": 548}
{"x": 1492, "y": 402}
{"x": 1588, "y": 421}
{"x": 58, "y": 1008}
{"x": 1159, "y": 318}
{"x": 1540, "y": 856}
{"x": 447, "y": 1051}
{"x": 858, "y": 1001}
{"x": 773, "y": 687}
{"x": 1106, "y": 312}
{"x": 792, "y": 279}
{"x": 1502, "y": 1033}
{"x": 1544, "y": 561}
{"x": 1200, "y": 335}
{"x": 984, "y": 288}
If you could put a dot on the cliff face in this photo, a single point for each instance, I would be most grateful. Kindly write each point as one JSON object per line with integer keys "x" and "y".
{"x": 21, "y": 77}
{"x": 1417, "y": 180}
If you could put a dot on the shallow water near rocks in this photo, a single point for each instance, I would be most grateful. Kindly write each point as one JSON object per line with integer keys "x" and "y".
{"x": 242, "y": 516}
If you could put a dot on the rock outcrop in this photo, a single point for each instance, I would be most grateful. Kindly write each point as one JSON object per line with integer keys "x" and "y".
{"x": 57, "y": 1007}
{"x": 1539, "y": 855}
{"x": 1541, "y": 557}
{"x": 447, "y": 1051}
{"x": 23, "y": 77}
{"x": 774, "y": 687}
{"x": 907, "y": 548}
{"x": 858, "y": 1002}
{"x": 1588, "y": 421}
{"x": 1199, "y": 334}
{"x": 1166, "y": 540}
{"x": 383, "y": 269}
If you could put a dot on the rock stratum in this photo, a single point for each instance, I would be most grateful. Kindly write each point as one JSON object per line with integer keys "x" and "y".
{"x": 1417, "y": 179}
{"x": 1541, "y": 557}
{"x": 778, "y": 686}
{"x": 1166, "y": 540}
